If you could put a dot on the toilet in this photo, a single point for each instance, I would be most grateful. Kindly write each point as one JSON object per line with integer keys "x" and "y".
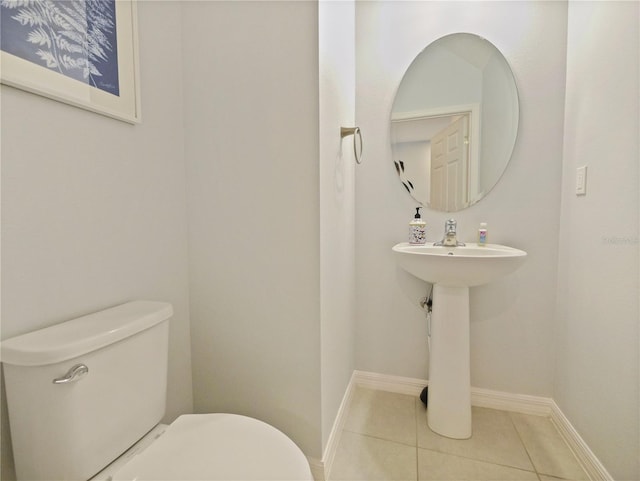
{"x": 86, "y": 397}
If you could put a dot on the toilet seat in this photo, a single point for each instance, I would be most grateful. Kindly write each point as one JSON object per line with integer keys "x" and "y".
{"x": 218, "y": 447}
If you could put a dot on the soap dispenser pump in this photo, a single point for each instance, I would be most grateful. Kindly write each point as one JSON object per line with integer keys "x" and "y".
{"x": 417, "y": 229}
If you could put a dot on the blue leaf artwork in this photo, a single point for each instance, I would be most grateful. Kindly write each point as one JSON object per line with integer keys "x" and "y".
{"x": 76, "y": 38}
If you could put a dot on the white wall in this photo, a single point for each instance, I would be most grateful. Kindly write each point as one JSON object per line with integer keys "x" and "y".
{"x": 597, "y": 372}
{"x": 511, "y": 320}
{"x": 337, "y": 197}
{"x": 251, "y": 137}
{"x": 93, "y": 209}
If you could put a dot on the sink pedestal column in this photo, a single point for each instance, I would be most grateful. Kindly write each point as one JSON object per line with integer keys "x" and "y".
{"x": 449, "y": 407}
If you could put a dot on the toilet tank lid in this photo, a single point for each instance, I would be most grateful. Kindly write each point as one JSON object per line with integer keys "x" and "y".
{"x": 84, "y": 334}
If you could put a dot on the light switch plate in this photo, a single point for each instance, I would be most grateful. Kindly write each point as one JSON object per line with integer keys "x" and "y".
{"x": 581, "y": 180}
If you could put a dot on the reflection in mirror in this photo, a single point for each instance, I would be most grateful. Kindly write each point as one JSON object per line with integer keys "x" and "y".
{"x": 454, "y": 122}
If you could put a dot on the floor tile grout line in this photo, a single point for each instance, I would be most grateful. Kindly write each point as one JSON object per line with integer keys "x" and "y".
{"x": 524, "y": 445}
{"x": 379, "y": 438}
{"x": 417, "y": 411}
{"x": 538, "y": 473}
{"x": 418, "y": 447}
{"x": 477, "y": 460}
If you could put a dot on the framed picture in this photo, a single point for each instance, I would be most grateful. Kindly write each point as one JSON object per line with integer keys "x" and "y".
{"x": 81, "y": 52}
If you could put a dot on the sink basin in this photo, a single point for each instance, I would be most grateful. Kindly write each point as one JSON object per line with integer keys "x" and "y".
{"x": 465, "y": 266}
{"x": 452, "y": 270}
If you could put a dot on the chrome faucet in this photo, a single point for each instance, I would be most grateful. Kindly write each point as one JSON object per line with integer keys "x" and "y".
{"x": 449, "y": 239}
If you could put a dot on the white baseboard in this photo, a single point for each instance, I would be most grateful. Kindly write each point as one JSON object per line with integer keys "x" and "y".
{"x": 517, "y": 403}
{"x": 321, "y": 468}
{"x": 317, "y": 468}
{"x": 504, "y": 401}
{"x": 581, "y": 450}
{"x": 384, "y": 382}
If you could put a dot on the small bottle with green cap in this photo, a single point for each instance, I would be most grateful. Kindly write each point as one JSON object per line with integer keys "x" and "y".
{"x": 417, "y": 229}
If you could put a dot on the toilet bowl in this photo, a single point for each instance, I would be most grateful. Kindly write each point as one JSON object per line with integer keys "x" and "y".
{"x": 214, "y": 447}
{"x": 86, "y": 396}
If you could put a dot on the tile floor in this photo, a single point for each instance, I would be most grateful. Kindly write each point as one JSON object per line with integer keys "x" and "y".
{"x": 386, "y": 437}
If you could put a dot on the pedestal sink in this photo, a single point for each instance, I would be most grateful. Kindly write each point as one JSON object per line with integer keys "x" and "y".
{"x": 452, "y": 270}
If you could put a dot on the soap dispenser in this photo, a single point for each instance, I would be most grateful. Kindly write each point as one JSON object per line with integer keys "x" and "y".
{"x": 417, "y": 229}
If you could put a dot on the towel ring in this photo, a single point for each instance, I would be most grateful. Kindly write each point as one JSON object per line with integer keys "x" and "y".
{"x": 346, "y": 131}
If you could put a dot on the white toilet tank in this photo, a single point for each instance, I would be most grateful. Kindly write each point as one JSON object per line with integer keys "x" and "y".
{"x": 110, "y": 371}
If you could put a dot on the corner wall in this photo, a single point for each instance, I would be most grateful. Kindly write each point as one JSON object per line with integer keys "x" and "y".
{"x": 251, "y": 136}
{"x": 597, "y": 332}
{"x": 337, "y": 196}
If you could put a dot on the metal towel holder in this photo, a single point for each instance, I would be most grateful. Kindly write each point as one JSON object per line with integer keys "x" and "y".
{"x": 346, "y": 131}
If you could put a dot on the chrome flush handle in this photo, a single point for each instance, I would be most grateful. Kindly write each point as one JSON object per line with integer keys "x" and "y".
{"x": 74, "y": 374}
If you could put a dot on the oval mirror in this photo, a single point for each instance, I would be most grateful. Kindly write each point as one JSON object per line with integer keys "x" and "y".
{"x": 454, "y": 122}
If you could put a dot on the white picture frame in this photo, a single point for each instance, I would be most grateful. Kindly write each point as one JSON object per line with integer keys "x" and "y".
{"x": 46, "y": 81}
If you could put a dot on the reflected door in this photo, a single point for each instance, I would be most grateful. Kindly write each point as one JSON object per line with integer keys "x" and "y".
{"x": 449, "y": 166}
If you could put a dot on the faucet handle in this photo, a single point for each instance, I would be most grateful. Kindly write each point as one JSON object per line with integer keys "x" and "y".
{"x": 450, "y": 226}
